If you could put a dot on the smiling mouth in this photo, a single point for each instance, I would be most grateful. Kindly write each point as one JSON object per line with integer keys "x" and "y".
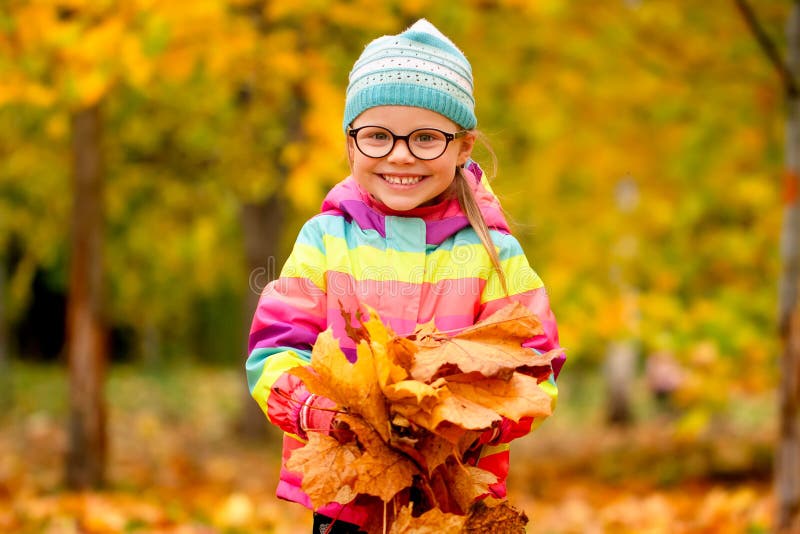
{"x": 402, "y": 180}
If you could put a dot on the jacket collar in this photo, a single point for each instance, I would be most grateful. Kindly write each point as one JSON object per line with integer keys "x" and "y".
{"x": 443, "y": 219}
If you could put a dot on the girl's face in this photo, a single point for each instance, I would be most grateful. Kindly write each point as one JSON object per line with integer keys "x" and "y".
{"x": 400, "y": 180}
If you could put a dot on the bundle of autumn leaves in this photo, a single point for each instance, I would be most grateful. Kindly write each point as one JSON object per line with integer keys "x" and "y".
{"x": 410, "y": 410}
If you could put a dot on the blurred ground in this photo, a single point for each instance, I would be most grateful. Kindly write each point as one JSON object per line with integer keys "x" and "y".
{"x": 176, "y": 466}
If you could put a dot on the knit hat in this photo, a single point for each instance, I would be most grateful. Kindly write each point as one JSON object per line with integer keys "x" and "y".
{"x": 420, "y": 67}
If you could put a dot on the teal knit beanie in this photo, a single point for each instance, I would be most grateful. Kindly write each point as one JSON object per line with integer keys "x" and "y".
{"x": 420, "y": 67}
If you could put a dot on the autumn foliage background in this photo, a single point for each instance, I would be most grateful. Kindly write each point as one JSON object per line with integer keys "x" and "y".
{"x": 640, "y": 148}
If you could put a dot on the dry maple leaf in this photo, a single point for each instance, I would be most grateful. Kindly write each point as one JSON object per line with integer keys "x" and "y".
{"x": 453, "y": 409}
{"x": 329, "y": 363}
{"x": 328, "y": 469}
{"x": 391, "y": 365}
{"x": 315, "y": 384}
{"x": 465, "y": 483}
{"x": 352, "y": 385}
{"x": 433, "y": 521}
{"x": 519, "y": 397}
{"x": 384, "y": 475}
{"x": 499, "y": 519}
{"x": 419, "y": 394}
{"x": 369, "y": 401}
{"x": 353, "y": 332}
{"x": 386, "y": 368}
{"x": 514, "y": 319}
{"x": 493, "y": 348}
{"x": 381, "y": 470}
{"x": 401, "y": 351}
{"x": 435, "y": 450}
{"x": 427, "y": 335}
{"x": 440, "y": 394}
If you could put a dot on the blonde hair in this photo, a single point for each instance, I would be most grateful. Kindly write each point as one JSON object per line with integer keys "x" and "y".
{"x": 469, "y": 205}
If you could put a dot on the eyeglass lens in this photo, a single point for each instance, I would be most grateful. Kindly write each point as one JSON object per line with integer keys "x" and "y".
{"x": 377, "y": 142}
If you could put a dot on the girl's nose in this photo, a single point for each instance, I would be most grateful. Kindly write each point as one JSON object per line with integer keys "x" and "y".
{"x": 400, "y": 153}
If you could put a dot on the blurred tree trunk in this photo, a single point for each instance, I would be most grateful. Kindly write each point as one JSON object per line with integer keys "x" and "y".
{"x": 86, "y": 336}
{"x": 787, "y": 457}
{"x": 5, "y": 363}
{"x": 787, "y": 465}
{"x": 262, "y": 224}
{"x": 150, "y": 343}
{"x": 619, "y": 369}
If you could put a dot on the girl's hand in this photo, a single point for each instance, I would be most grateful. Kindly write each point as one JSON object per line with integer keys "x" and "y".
{"x": 317, "y": 414}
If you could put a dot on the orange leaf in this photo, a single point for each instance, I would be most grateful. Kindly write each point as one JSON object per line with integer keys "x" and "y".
{"x": 465, "y": 483}
{"x": 435, "y": 450}
{"x": 381, "y": 471}
{"x": 401, "y": 351}
{"x": 426, "y": 335}
{"x": 516, "y": 398}
{"x": 493, "y": 348}
{"x": 327, "y": 468}
{"x": 413, "y": 391}
{"x": 500, "y": 519}
{"x": 457, "y": 411}
{"x": 433, "y": 521}
{"x": 353, "y": 385}
{"x": 315, "y": 384}
{"x": 354, "y": 333}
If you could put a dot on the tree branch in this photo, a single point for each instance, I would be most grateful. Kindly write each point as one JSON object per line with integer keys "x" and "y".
{"x": 769, "y": 48}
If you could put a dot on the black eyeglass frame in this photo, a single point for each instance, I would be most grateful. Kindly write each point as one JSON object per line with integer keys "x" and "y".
{"x": 448, "y": 137}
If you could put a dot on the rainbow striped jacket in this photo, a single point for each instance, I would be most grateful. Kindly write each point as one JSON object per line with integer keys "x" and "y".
{"x": 411, "y": 267}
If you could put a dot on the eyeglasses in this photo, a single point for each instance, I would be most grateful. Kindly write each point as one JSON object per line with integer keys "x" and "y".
{"x": 424, "y": 144}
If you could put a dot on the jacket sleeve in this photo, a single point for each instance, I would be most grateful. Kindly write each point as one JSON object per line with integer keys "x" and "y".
{"x": 525, "y": 287}
{"x": 290, "y": 315}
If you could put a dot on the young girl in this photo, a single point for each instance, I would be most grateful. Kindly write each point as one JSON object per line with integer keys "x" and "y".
{"x": 415, "y": 233}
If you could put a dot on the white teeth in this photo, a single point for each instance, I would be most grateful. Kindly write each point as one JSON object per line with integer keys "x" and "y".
{"x": 402, "y": 180}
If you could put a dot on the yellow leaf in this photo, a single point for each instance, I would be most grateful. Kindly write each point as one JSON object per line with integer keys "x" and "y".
{"x": 315, "y": 384}
{"x": 90, "y": 86}
{"x": 355, "y": 384}
{"x": 388, "y": 372}
{"x": 138, "y": 69}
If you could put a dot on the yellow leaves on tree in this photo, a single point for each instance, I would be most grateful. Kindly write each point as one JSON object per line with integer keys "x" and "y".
{"x": 411, "y": 410}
